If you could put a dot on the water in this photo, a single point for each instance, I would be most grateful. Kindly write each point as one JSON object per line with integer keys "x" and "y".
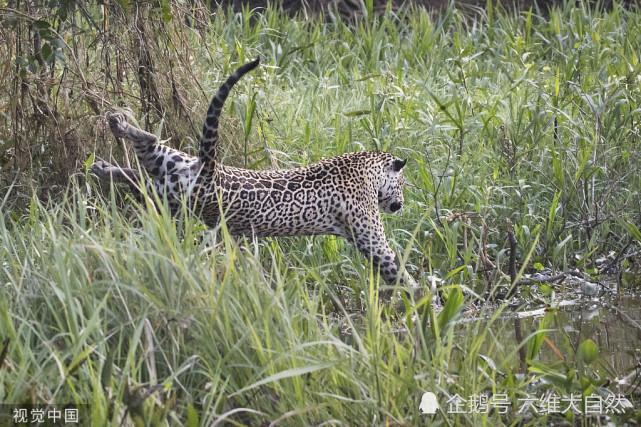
{"x": 613, "y": 322}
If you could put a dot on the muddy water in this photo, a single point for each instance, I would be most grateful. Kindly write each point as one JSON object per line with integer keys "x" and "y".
{"x": 613, "y": 322}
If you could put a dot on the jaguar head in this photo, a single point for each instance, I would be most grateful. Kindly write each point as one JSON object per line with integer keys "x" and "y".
{"x": 390, "y": 191}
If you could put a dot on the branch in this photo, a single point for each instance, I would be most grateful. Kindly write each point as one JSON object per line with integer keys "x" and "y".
{"x": 512, "y": 267}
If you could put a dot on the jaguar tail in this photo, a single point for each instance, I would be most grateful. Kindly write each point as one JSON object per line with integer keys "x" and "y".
{"x": 209, "y": 139}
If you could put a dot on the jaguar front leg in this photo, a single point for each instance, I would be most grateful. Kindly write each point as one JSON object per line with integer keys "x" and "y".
{"x": 367, "y": 232}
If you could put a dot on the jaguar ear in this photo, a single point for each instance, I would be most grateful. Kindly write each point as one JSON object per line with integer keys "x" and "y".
{"x": 398, "y": 165}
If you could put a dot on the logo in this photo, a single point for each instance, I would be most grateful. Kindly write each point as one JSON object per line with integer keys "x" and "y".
{"x": 429, "y": 405}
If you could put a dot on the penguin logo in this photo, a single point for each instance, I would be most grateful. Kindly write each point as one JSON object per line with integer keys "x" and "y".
{"x": 429, "y": 405}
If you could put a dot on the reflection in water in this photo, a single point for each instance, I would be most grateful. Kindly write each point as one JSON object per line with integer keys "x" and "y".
{"x": 613, "y": 323}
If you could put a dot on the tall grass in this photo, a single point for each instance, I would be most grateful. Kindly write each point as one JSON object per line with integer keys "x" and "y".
{"x": 502, "y": 115}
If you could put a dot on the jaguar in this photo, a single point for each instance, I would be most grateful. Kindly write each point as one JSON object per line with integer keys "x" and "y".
{"x": 338, "y": 196}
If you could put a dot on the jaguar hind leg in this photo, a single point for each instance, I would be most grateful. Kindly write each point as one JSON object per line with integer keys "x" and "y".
{"x": 108, "y": 172}
{"x": 152, "y": 155}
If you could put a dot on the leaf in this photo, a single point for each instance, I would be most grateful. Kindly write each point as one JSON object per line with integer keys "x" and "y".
{"x": 528, "y": 24}
{"x": 545, "y": 290}
{"x": 558, "y": 169}
{"x": 249, "y": 115}
{"x": 588, "y": 351}
{"x": 41, "y": 25}
{"x": 192, "y": 416}
{"x": 551, "y": 374}
{"x": 166, "y": 10}
{"x": 5, "y": 350}
{"x": 552, "y": 215}
{"x": 46, "y": 51}
{"x": 166, "y": 17}
{"x": 535, "y": 344}
{"x": 107, "y": 368}
{"x": 560, "y": 245}
{"x": 357, "y": 113}
{"x": 158, "y": 131}
{"x": 490, "y": 363}
{"x": 632, "y": 229}
{"x": 89, "y": 162}
{"x": 452, "y": 307}
{"x": 58, "y": 43}
{"x": 288, "y": 373}
{"x": 60, "y": 56}
{"x": 369, "y": 76}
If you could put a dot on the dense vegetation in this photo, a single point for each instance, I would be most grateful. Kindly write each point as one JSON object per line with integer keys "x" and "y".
{"x": 501, "y": 114}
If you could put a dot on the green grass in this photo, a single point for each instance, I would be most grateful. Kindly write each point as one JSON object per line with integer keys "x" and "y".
{"x": 501, "y": 114}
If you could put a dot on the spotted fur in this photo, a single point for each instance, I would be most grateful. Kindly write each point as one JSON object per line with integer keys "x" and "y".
{"x": 337, "y": 196}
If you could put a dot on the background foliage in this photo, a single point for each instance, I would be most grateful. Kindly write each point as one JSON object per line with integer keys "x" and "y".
{"x": 503, "y": 114}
